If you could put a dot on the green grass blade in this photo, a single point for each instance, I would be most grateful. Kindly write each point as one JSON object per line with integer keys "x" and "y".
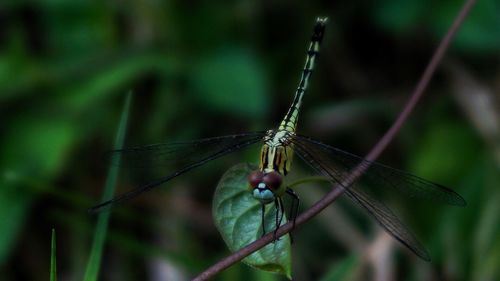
{"x": 53, "y": 273}
{"x": 94, "y": 261}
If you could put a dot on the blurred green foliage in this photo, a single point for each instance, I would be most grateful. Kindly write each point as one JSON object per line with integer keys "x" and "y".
{"x": 480, "y": 33}
{"x": 207, "y": 68}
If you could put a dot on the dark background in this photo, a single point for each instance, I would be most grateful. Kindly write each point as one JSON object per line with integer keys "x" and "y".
{"x": 207, "y": 68}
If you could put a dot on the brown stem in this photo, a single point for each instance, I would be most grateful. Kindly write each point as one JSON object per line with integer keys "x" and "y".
{"x": 338, "y": 189}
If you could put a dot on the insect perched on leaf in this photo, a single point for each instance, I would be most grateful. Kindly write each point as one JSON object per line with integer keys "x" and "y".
{"x": 278, "y": 147}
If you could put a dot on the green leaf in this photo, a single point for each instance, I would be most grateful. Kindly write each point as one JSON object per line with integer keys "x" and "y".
{"x": 232, "y": 81}
{"x": 237, "y": 216}
{"x": 53, "y": 273}
{"x": 94, "y": 262}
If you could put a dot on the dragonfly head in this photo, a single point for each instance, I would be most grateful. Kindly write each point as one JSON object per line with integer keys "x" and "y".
{"x": 264, "y": 185}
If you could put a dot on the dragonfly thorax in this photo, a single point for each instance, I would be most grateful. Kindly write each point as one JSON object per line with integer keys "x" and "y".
{"x": 277, "y": 152}
{"x": 265, "y": 186}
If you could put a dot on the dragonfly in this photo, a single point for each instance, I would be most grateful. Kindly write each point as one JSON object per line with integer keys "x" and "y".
{"x": 276, "y": 155}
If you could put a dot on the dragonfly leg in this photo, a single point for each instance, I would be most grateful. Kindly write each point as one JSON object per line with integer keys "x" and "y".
{"x": 263, "y": 212}
{"x": 294, "y": 208}
{"x": 280, "y": 212}
{"x": 276, "y": 205}
{"x": 282, "y": 209}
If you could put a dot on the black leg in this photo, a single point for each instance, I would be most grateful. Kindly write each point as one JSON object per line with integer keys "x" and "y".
{"x": 280, "y": 213}
{"x": 278, "y": 221}
{"x": 263, "y": 219}
{"x": 282, "y": 209}
{"x": 294, "y": 208}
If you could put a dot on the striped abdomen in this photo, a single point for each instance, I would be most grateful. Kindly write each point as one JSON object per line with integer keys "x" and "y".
{"x": 289, "y": 123}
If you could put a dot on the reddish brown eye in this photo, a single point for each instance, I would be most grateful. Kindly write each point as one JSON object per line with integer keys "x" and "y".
{"x": 255, "y": 178}
{"x": 272, "y": 180}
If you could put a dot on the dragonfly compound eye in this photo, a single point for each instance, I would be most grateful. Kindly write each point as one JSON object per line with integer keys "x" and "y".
{"x": 255, "y": 178}
{"x": 273, "y": 180}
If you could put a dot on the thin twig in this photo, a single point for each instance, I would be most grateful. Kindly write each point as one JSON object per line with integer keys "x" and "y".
{"x": 338, "y": 189}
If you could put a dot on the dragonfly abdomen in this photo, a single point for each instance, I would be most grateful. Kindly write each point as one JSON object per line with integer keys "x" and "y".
{"x": 289, "y": 123}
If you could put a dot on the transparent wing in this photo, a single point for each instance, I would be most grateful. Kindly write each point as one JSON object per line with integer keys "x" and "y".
{"x": 336, "y": 164}
{"x": 178, "y": 153}
{"x": 185, "y": 156}
{"x": 388, "y": 220}
{"x": 381, "y": 177}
